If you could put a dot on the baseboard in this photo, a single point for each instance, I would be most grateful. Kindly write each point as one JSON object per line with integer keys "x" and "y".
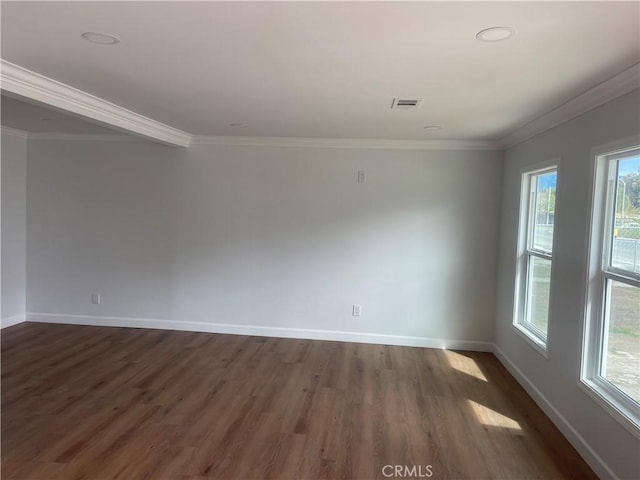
{"x": 11, "y": 321}
{"x": 261, "y": 331}
{"x": 579, "y": 443}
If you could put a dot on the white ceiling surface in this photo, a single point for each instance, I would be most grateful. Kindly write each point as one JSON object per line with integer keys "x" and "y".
{"x": 328, "y": 69}
{"x": 30, "y": 118}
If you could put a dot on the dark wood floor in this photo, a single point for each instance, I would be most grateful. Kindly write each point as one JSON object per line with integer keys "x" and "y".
{"x": 101, "y": 403}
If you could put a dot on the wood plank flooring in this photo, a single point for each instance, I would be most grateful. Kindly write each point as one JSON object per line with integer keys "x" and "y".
{"x": 101, "y": 403}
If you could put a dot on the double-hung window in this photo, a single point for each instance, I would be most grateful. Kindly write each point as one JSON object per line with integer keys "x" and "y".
{"x": 535, "y": 254}
{"x": 611, "y": 359}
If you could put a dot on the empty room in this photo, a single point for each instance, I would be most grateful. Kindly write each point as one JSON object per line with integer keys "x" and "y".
{"x": 320, "y": 240}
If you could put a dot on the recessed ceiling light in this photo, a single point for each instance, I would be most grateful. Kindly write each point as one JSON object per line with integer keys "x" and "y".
{"x": 432, "y": 128}
{"x": 100, "y": 38}
{"x": 495, "y": 34}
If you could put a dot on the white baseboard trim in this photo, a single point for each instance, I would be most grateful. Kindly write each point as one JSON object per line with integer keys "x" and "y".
{"x": 11, "y": 321}
{"x": 261, "y": 331}
{"x": 579, "y": 443}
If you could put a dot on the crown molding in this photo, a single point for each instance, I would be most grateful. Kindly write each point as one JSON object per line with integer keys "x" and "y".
{"x": 25, "y": 83}
{"x": 84, "y": 137}
{"x": 288, "y": 142}
{"x": 14, "y": 132}
{"x": 623, "y": 83}
{"x": 348, "y": 143}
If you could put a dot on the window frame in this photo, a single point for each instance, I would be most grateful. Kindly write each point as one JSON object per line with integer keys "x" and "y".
{"x": 600, "y": 275}
{"x": 526, "y": 250}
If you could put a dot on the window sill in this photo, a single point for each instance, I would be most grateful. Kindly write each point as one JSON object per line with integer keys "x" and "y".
{"x": 531, "y": 339}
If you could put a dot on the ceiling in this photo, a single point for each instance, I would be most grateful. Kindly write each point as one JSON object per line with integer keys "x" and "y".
{"x": 325, "y": 70}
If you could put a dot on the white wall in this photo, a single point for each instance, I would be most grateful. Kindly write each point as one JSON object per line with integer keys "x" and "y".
{"x": 600, "y": 438}
{"x": 13, "y": 242}
{"x": 255, "y": 239}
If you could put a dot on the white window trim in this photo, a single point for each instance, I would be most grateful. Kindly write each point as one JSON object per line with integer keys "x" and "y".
{"x": 538, "y": 343}
{"x": 614, "y": 402}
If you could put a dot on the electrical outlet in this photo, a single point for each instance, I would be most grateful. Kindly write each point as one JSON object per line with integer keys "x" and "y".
{"x": 357, "y": 310}
{"x": 362, "y": 176}
{"x": 95, "y": 298}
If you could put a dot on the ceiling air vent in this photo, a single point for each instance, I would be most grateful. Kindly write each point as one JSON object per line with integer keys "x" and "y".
{"x": 406, "y": 103}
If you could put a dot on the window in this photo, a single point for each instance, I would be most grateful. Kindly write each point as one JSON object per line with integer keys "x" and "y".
{"x": 535, "y": 254}
{"x": 611, "y": 363}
